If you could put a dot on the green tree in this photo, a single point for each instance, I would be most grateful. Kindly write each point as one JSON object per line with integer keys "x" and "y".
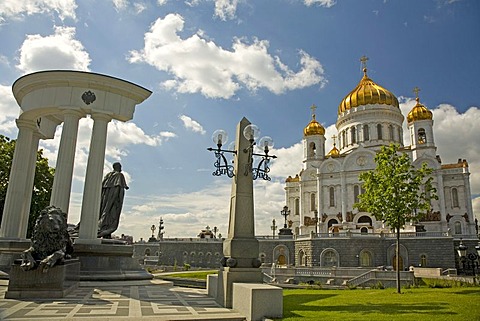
{"x": 42, "y": 186}
{"x": 396, "y": 192}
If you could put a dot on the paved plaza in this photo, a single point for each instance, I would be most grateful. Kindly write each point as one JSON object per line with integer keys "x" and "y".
{"x": 127, "y": 300}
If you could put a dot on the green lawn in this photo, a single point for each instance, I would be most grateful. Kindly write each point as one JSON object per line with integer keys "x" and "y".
{"x": 198, "y": 275}
{"x": 413, "y": 304}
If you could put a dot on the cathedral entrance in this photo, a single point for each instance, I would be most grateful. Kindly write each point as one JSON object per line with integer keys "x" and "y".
{"x": 281, "y": 260}
{"x": 394, "y": 261}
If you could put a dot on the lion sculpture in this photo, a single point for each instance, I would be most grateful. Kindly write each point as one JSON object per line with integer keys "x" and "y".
{"x": 51, "y": 243}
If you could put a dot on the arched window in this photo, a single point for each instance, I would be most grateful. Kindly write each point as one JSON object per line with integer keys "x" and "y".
{"x": 353, "y": 132}
{"x": 329, "y": 258}
{"x": 422, "y": 136}
{"x": 390, "y": 132}
{"x": 344, "y": 139}
{"x": 313, "y": 206}
{"x": 331, "y": 222}
{"x": 312, "y": 150}
{"x": 297, "y": 206}
{"x": 455, "y": 197}
{"x": 423, "y": 260}
{"x": 366, "y": 259}
{"x": 365, "y": 219}
{"x": 364, "y": 230}
{"x": 400, "y": 136}
{"x": 366, "y": 133}
{"x": 379, "y": 132}
{"x": 356, "y": 192}
{"x": 147, "y": 252}
{"x": 458, "y": 228}
{"x": 301, "y": 258}
{"x": 262, "y": 257}
{"x": 332, "y": 196}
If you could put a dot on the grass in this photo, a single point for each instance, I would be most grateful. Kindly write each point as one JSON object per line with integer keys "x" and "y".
{"x": 198, "y": 275}
{"x": 413, "y": 304}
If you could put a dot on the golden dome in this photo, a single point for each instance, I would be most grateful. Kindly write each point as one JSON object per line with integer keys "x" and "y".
{"x": 419, "y": 112}
{"x": 334, "y": 152}
{"x": 313, "y": 127}
{"x": 367, "y": 92}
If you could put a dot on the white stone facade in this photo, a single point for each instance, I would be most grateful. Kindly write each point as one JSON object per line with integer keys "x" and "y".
{"x": 322, "y": 195}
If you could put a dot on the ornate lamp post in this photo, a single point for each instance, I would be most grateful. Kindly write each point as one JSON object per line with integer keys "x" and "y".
{"x": 273, "y": 227}
{"x": 285, "y": 230}
{"x": 472, "y": 257}
{"x": 152, "y": 238}
{"x": 240, "y": 262}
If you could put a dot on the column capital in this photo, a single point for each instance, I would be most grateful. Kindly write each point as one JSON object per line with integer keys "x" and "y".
{"x": 73, "y": 112}
{"x": 101, "y": 116}
{"x": 26, "y": 123}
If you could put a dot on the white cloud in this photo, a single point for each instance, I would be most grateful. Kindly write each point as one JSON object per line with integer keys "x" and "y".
{"x": 16, "y": 9}
{"x": 120, "y": 4}
{"x": 192, "y": 125}
{"x": 322, "y": 3}
{"x": 225, "y": 9}
{"x": 58, "y": 51}
{"x": 199, "y": 65}
{"x": 9, "y": 110}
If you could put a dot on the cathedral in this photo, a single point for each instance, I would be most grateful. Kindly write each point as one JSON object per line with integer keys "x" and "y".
{"x": 321, "y": 197}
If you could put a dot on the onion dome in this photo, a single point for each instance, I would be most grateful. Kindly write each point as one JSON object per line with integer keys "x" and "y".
{"x": 334, "y": 152}
{"x": 293, "y": 179}
{"x": 367, "y": 92}
{"x": 419, "y": 112}
{"x": 313, "y": 127}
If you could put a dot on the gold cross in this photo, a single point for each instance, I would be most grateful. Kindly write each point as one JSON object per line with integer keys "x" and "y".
{"x": 364, "y": 59}
{"x": 416, "y": 90}
{"x": 334, "y": 140}
{"x": 313, "y": 108}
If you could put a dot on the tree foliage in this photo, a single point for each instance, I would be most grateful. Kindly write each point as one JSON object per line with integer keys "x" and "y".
{"x": 42, "y": 186}
{"x": 396, "y": 192}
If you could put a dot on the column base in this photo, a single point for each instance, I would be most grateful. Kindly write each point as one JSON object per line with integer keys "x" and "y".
{"x": 227, "y": 276}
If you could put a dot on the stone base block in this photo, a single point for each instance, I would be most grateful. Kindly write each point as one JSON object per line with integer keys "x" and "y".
{"x": 212, "y": 284}
{"x": 228, "y": 276}
{"x": 258, "y": 301}
{"x": 57, "y": 282}
{"x": 11, "y": 250}
{"x": 108, "y": 262}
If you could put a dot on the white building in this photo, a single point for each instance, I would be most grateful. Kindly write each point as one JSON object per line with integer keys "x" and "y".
{"x": 322, "y": 195}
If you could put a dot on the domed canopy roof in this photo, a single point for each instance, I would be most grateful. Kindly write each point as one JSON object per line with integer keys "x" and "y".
{"x": 419, "y": 112}
{"x": 367, "y": 92}
{"x": 334, "y": 152}
{"x": 313, "y": 127}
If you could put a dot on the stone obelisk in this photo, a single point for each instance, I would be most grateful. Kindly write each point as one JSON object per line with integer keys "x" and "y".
{"x": 240, "y": 263}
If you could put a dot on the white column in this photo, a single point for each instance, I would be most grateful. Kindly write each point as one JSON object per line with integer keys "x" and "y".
{"x": 343, "y": 195}
{"x": 62, "y": 182}
{"x": 27, "y": 198}
{"x": 14, "y": 208}
{"x": 93, "y": 181}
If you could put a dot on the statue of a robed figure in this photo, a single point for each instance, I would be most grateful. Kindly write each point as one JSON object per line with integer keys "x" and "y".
{"x": 113, "y": 193}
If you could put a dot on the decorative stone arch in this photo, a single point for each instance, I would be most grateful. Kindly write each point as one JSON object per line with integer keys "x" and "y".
{"x": 364, "y": 218}
{"x": 147, "y": 252}
{"x": 302, "y": 258}
{"x": 47, "y": 99}
{"x": 391, "y": 256}
{"x": 208, "y": 257}
{"x": 281, "y": 255}
{"x": 331, "y": 222}
{"x": 262, "y": 257}
{"x": 360, "y": 159}
{"x": 365, "y": 258}
{"x": 329, "y": 258}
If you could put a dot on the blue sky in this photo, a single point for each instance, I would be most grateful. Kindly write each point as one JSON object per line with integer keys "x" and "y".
{"x": 209, "y": 63}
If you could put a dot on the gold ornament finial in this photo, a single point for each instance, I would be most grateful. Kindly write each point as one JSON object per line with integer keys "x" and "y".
{"x": 313, "y": 108}
{"x": 334, "y": 137}
{"x": 364, "y": 60}
{"x": 416, "y": 90}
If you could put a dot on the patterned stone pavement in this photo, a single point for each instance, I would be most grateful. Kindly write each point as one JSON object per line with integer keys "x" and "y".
{"x": 128, "y": 300}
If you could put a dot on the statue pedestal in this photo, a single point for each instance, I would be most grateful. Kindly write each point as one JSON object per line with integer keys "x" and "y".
{"x": 227, "y": 276}
{"x": 57, "y": 282}
{"x": 108, "y": 262}
{"x": 10, "y": 250}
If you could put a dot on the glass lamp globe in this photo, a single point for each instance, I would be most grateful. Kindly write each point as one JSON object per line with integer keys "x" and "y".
{"x": 251, "y": 132}
{"x": 219, "y": 137}
{"x": 265, "y": 143}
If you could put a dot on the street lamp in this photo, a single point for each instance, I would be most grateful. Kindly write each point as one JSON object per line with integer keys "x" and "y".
{"x": 274, "y": 228}
{"x": 472, "y": 257}
{"x": 251, "y": 133}
{"x": 285, "y": 212}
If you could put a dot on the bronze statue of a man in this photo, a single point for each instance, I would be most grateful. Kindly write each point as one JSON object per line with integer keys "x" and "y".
{"x": 113, "y": 192}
